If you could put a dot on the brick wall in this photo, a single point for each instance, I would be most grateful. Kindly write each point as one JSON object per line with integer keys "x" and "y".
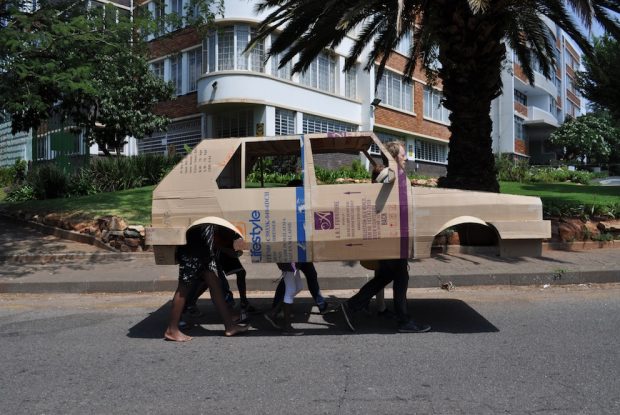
{"x": 520, "y": 108}
{"x": 573, "y": 98}
{"x": 518, "y": 71}
{"x": 415, "y": 123}
{"x": 175, "y": 42}
{"x": 182, "y": 106}
{"x": 520, "y": 146}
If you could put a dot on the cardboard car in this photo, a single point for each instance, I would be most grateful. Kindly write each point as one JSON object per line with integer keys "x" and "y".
{"x": 327, "y": 222}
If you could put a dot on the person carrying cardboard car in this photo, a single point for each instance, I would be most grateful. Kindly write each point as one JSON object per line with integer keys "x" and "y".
{"x": 198, "y": 259}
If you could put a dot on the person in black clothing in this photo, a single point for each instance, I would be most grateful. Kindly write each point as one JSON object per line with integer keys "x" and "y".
{"x": 395, "y": 270}
{"x": 198, "y": 260}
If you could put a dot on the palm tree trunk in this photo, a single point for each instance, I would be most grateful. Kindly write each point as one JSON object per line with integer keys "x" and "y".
{"x": 474, "y": 42}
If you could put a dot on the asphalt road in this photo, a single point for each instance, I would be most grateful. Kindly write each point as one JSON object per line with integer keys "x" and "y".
{"x": 491, "y": 351}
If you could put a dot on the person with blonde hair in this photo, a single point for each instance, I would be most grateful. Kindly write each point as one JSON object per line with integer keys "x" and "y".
{"x": 389, "y": 270}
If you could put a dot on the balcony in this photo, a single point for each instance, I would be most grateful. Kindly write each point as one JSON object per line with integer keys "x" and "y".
{"x": 540, "y": 118}
{"x": 541, "y": 85}
{"x": 244, "y": 87}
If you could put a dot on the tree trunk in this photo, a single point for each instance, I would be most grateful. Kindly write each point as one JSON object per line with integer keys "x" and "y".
{"x": 471, "y": 54}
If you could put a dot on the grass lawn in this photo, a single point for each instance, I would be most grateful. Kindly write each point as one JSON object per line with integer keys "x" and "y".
{"x": 565, "y": 192}
{"x": 133, "y": 205}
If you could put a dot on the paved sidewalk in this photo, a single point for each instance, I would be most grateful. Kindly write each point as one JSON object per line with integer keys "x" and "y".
{"x": 32, "y": 262}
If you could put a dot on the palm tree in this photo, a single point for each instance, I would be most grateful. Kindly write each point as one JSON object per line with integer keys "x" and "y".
{"x": 467, "y": 38}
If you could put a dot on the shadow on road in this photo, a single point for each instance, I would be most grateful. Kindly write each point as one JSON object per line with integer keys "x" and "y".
{"x": 444, "y": 315}
{"x": 484, "y": 257}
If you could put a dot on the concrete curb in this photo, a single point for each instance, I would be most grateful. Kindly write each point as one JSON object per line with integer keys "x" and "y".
{"x": 348, "y": 283}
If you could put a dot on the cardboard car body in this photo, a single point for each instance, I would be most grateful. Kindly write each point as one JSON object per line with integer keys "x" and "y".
{"x": 327, "y": 222}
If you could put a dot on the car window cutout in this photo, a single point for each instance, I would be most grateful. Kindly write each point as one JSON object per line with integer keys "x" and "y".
{"x": 337, "y": 159}
{"x": 272, "y": 163}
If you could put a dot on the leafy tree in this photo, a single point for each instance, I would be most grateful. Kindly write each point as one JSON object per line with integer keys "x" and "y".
{"x": 463, "y": 42}
{"x": 124, "y": 91}
{"x": 87, "y": 66}
{"x": 591, "y": 136}
{"x": 598, "y": 83}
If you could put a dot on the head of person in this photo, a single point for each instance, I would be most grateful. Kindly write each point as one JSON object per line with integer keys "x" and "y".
{"x": 397, "y": 149}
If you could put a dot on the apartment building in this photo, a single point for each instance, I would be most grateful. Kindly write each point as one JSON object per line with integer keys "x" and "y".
{"x": 222, "y": 92}
{"x": 526, "y": 114}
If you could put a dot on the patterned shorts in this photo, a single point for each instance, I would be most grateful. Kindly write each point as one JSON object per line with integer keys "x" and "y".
{"x": 190, "y": 268}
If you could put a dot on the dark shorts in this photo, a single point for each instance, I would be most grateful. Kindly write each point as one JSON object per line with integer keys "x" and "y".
{"x": 230, "y": 265}
{"x": 191, "y": 267}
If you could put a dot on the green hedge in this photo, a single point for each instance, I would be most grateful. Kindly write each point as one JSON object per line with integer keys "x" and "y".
{"x": 111, "y": 174}
{"x": 510, "y": 170}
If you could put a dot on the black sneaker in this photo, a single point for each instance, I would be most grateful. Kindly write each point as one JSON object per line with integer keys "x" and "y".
{"x": 291, "y": 331}
{"x": 346, "y": 314}
{"x": 248, "y": 308}
{"x": 272, "y": 321}
{"x": 412, "y": 327}
{"x": 323, "y": 308}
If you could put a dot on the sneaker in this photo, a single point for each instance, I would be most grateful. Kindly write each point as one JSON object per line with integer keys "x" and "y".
{"x": 412, "y": 327}
{"x": 248, "y": 308}
{"x": 272, "y": 321}
{"x": 346, "y": 314}
{"x": 324, "y": 308}
{"x": 291, "y": 331}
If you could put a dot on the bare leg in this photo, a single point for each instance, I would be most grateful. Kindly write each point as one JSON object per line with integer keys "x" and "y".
{"x": 178, "y": 302}
{"x": 217, "y": 296}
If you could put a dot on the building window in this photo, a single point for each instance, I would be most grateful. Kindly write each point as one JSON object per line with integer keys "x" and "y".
{"x": 552, "y": 105}
{"x": 394, "y": 91}
{"x": 350, "y": 83}
{"x": 321, "y": 74}
{"x": 283, "y": 72}
{"x": 176, "y": 6}
{"x": 257, "y": 55}
{"x": 404, "y": 46}
{"x": 521, "y": 98}
{"x": 230, "y": 43}
{"x": 226, "y": 49}
{"x": 174, "y": 139}
{"x": 519, "y": 132}
{"x": 433, "y": 152}
{"x": 234, "y": 124}
{"x": 571, "y": 110}
{"x": 384, "y": 138}
{"x": 314, "y": 124}
{"x": 194, "y": 65}
{"x": 570, "y": 84}
{"x": 433, "y": 108}
{"x": 176, "y": 74}
{"x": 285, "y": 122}
{"x": 158, "y": 69}
{"x": 571, "y": 61}
{"x": 159, "y": 11}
